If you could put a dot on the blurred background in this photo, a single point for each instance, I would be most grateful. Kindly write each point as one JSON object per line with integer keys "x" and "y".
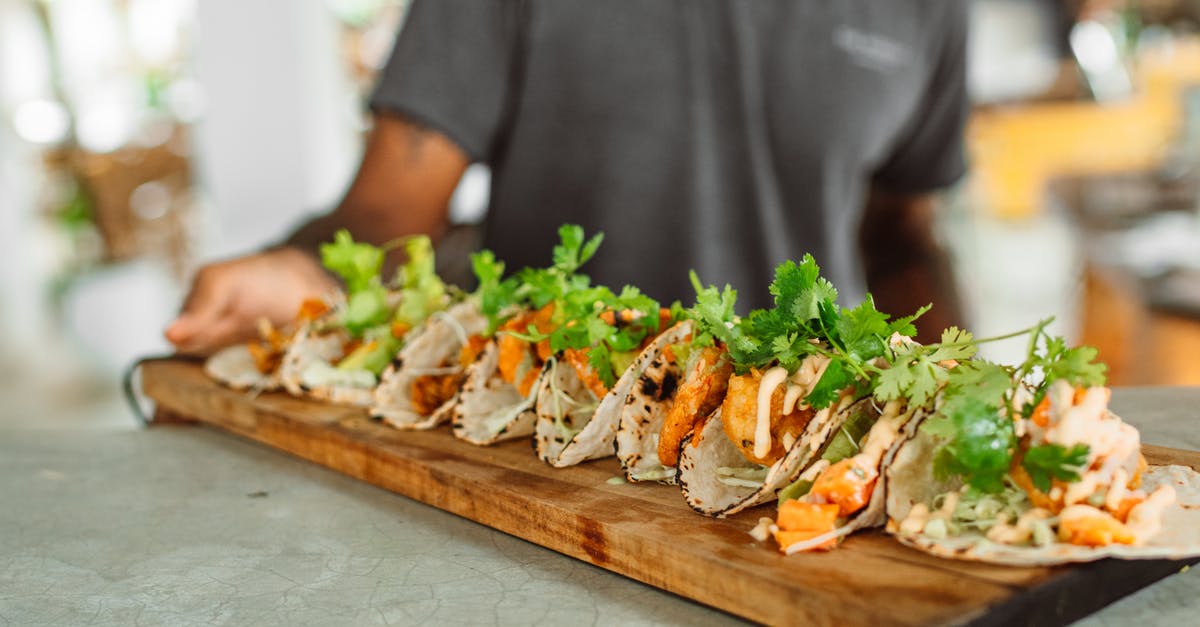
{"x": 141, "y": 138}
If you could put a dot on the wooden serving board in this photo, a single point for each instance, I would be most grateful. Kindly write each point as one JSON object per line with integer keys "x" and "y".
{"x": 646, "y": 531}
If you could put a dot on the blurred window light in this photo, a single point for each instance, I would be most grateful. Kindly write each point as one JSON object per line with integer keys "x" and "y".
{"x": 105, "y": 124}
{"x": 185, "y": 100}
{"x": 468, "y": 204}
{"x": 1011, "y": 53}
{"x": 41, "y": 122}
{"x": 87, "y": 34}
{"x": 24, "y": 57}
{"x": 1094, "y": 45}
{"x": 155, "y": 27}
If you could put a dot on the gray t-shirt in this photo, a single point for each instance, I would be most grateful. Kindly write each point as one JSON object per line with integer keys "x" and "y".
{"x": 716, "y": 135}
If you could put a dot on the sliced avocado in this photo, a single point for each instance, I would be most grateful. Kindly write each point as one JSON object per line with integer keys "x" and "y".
{"x": 795, "y": 490}
{"x": 622, "y": 360}
{"x": 372, "y": 356}
{"x": 846, "y": 441}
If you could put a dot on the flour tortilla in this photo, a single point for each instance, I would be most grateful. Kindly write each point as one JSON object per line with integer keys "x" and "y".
{"x": 698, "y": 465}
{"x": 490, "y": 409}
{"x": 308, "y": 370}
{"x": 910, "y": 480}
{"x": 235, "y": 367}
{"x": 875, "y": 512}
{"x": 645, "y": 409}
{"x": 590, "y": 423}
{"x": 431, "y": 348}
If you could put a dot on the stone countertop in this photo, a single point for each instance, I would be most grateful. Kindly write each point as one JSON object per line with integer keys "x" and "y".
{"x": 187, "y": 525}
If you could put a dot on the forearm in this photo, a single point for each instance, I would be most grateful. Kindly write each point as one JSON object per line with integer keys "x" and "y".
{"x": 403, "y": 187}
{"x": 906, "y": 267}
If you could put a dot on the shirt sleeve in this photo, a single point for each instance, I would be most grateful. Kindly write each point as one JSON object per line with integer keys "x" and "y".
{"x": 453, "y": 68}
{"x": 929, "y": 154}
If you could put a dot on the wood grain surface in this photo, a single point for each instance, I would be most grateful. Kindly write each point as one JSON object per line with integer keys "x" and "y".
{"x": 646, "y": 531}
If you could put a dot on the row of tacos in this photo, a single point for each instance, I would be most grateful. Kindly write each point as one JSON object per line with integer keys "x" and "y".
{"x": 835, "y": 414}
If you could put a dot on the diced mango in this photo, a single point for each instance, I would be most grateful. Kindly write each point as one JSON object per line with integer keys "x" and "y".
{"x": 846, "y": 484}
{"x": 1093, "y": 528}
{"x": 800, "y": 516}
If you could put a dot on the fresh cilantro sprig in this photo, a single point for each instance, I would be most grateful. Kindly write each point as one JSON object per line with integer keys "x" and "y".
{"x": 806, "y": 320}
{"x": 585, "y": 317}
{"x": 496, "y": 293}
{"x": 979, "y": 442}
{"x": 977, "y": 417}
{"x": 715, "y": 318}
{"x": 542, "y": 286}
{"x": 608, "y": 326}
{"x": 422, "y": 292}
{"x": 1049, "y": 357}
{"x": 916, "y": 372}
{"x": 359, "y": 265}
{"x": 1054, "y": 461}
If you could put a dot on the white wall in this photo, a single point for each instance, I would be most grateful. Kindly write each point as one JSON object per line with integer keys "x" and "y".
{"x": 277, "y": 138}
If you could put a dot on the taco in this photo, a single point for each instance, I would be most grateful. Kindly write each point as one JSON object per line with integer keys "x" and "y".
{"x": 580, "y": 399}
{"x": 1015, "y": 470}
{"x": 732, "y": 463}
{"x": 841, "y": 491}
{"x": 255, "y": 365}
{"x": 799, "y": 372}
{"x": 341, "y": 355}
{"x": 420, "y": 388}
{"x": 680, "y": 386}
{"x": 501, "y": 384}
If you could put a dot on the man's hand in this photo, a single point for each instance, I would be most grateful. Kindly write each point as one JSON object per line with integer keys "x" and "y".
{"x": 402, "y": 187}
{"x": 228, "y": 298}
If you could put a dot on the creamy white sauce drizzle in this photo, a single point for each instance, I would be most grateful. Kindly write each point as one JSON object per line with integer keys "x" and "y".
{"x": 920, "y": 516}
{"x": 762, "y": 530}
{"x": 811, "y": 369}
{"x": 882, "y": 435}
{"x": 812, "y": 472}
{"x": 1145, "y": 519}
{"x": 762, "y": 426}
{"x": 1019, "y": 532}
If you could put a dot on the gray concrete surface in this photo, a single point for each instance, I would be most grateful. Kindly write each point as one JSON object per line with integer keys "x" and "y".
{"x": 186, "y": 525}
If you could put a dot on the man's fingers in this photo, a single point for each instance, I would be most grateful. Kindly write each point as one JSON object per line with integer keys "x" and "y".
{"x": 203, "y": 309}
{"x": 210, "y": 292}
{"x": 207, "y": 338}
{"x": 182, "y": 330}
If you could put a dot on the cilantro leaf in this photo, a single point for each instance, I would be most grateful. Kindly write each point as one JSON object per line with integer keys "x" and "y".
{"x": 1054, "y": 461}
{"x": 980, "y": 442}
{"x": 799, "y": 289}
{"x": 358, "y": 264}
{"x": 714, "y": 316}
{"x": 1078, "y": 366}
{"x": 496, "y": 294}
{"x": 863, "y": 331}
{"x": 422, "y": 292}
{"x": 572, "y": 252}
{"x": 365, "y": 308}
{"x": 835, "y": 379}
{"x": 904, "y": 326}
{"x": 956, "y": 344}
